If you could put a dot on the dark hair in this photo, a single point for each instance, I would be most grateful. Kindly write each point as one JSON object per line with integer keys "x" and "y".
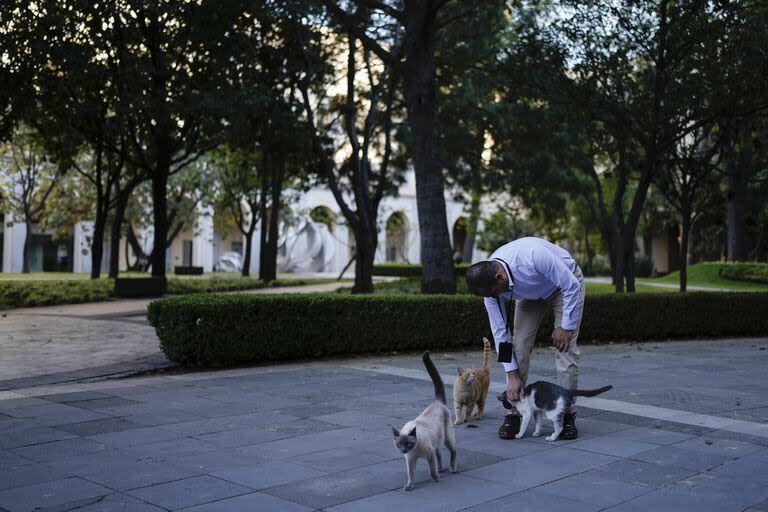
{"x": 481, "y": 277}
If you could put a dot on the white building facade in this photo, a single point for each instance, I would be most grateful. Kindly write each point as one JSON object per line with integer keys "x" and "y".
{"x": 306, "y": 244}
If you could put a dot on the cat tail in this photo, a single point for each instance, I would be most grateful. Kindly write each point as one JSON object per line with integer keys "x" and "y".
{"x": 591, "y": 392}
{"x": 486, "y": 352}
{"x": 435, "y": 376}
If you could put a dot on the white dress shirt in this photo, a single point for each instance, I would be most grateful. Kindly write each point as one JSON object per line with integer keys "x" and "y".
{"x": 538, "y": 269}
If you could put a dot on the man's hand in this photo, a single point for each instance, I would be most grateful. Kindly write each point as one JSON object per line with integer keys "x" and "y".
{"x": 561, "y": 339}
{"x": 515, "y": 389}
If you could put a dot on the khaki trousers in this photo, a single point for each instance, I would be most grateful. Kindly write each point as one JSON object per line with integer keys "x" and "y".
{"x": 528, "y": 316}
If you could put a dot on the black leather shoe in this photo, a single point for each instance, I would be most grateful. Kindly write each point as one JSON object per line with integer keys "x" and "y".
{"x": 570, "y": 432}
{"x": 510, "y": 427}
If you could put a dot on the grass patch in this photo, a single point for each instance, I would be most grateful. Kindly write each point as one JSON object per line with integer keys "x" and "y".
{"x": 708, "y": 274}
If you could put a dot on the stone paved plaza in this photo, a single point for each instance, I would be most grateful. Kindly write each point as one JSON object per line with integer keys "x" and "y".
{"x": 316, "y": 436}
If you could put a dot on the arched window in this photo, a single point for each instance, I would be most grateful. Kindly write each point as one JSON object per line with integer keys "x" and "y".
{"x": 397, "y": 232}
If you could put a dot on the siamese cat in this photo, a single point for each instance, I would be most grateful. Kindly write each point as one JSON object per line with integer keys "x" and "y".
{"x": 423, "y": 436}
{"x": 546, "y": 398}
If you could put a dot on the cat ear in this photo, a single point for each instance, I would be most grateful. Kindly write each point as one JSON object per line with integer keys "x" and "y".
{"x": 395, "y": 432}
{"x": 461, "y": 370}
{"x": 413, "y": 433}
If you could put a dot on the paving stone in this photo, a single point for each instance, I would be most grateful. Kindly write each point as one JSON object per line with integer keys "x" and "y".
{"x": 254, "y": 501}
{"x": 115, "y": 502}
{"x": 213, "y": 461}
{"x": 718, "y": 488}
{"x": 612, "y": 446}
{"x": 649, "y": 435}
{"x": 9, "y": 460}
{"x": 590, "y": 487}
{"x": 727, "y": 448}
{"x": 49, "y": 494}
{"x": 540, "y": 468}
{"x": 55, "y": 414}
{"x": 270, "y": 474}
{"x": 74, "y": 396}
{"x": 125, "y": 473}
{"x": 533, "y": 501}
{"x": 326, "y": 491}
{"x": 751, "y": 468}
{"x": 101, "y": 403}
{"x": 642, "y": 473}
{"x": 291, "y": 447}
{"x": 31, "y": 434}
{"x": 340, "y": 459}
{"x": 106, "y": 426}
{"x": 134, "y": 437}
{"x": 242, "y": 437}
{"x": 28, "y": 474}
{"x": 170, "y": 449}
{"x": 59, "y": 449}
{"x": 189, "y": 492}
{"x": 451, "y": 491}
{"x": 682, "y": 458}
{"x": 388, "y": 501}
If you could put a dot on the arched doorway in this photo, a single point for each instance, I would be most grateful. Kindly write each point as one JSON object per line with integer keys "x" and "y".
{"x": 396, "y": 243}
{"x": 459, "y": 238}
{"x": 323, "y": 215}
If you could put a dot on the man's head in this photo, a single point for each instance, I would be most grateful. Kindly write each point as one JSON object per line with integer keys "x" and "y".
{"x": 487, "y": 279}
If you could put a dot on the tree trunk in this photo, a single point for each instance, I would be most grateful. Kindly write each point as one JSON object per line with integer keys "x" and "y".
{"x": 474, "y": 217}
{"x": 246, "y": 272}
{"x": 160, "y": 218}
{"x": 629, "y": 266}
{"x": 620, "y": 261}
{"x": 685, "y": 230}
{"x": 270, "y": 260}
{"x": 420, "y": 95}
{"x": 590, "y": 254}
{"x": 25, "y": 255}
{"x": 116, "y": 232}
{"x": 97, "y": 243}
{"x": 736, "y": 194}
{"x": 264, "y": 217}
{"x": 365, "y": 251}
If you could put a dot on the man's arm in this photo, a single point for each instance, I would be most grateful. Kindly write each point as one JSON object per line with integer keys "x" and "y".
{"x": 497, "y": 320}
{"x": 499, "y": 329}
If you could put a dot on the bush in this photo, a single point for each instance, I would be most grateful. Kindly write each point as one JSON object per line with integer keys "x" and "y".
{"x": 749, "y": 272}
{"x": 409, "y": 269}
{"x": 20, "y": 294}
{"x": 224, "y": 330}
{"x": 643, "y": 266}
{"x": 600, "y": 266}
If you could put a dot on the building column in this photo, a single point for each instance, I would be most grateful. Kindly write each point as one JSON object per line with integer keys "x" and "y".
{"x": 202, "y": 240}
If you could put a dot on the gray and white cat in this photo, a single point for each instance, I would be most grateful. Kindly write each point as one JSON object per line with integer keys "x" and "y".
{"x": 547, "y": 398}
{"x": 423, "y": 436}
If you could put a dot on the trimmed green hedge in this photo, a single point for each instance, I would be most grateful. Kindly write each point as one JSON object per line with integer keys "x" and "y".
{"x": 749, "y": 272}
{"x": 225, "y": 330}
{"x": 20, "y": 294}
{"x": 30, "y": 293}
{"x": 409, "y": 269}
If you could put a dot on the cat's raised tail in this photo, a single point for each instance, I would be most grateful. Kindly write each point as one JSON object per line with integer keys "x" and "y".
{"x": 591, "y": 392}
{"x": 435, "y": 376}
{"x": 486, "y": 352}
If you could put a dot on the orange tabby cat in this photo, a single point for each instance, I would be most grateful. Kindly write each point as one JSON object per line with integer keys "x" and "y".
{"x": 471, "y": 388}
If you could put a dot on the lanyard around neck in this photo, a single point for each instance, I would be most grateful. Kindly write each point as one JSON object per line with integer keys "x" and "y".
{"x": 508, "y": 309}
